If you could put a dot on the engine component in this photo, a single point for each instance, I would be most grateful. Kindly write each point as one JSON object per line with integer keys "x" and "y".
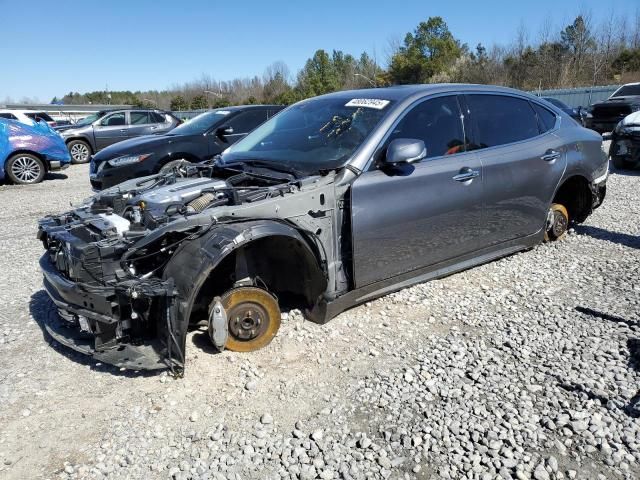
{"x": 200, "y": 203}
{"x": 182, "y": 191}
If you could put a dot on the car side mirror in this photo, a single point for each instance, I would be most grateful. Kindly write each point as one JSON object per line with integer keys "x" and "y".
{"x": 405, "y": 150}
{"x": 222, "y": 133}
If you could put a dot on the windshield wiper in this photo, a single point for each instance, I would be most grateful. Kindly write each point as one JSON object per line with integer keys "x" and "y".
{"x": 276, "y": 167}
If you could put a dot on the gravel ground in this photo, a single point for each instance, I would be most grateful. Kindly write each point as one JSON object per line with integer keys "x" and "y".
{"x": 527, "y": 367}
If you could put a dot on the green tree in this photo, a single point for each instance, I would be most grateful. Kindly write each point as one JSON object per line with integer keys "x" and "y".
{"x": 577, "y": 39}
{"x": 199, "y": 102}
{"x": 221, "y": 102}
{"x": 318, "y": 76}
{"x": 430, "y": 50}
{"x": 178, "y": 103}
{"x": 628, "y": 60}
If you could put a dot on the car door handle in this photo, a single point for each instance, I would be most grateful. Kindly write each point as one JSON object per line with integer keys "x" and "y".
{"x": 550, "y": 155}
{"x": 123, "y": 130}
{"x": 466, "y": 174}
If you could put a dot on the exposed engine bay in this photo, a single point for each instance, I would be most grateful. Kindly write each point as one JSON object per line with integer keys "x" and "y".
{"x": 111, "y": 265}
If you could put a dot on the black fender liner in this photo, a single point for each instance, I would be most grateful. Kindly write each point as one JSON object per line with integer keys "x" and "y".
{"x": 195, "y": 260}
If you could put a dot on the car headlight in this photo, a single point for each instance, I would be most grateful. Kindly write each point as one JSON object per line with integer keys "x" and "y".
{"x": 128, "y": 160}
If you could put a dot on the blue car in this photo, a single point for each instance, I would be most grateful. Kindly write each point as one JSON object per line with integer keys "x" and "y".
{"x": 28, "y": 152}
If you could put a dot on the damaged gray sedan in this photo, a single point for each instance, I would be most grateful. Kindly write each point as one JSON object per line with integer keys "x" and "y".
{"x": 335, "y": 201}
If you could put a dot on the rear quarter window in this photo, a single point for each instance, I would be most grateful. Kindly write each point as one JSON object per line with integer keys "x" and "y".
{"x": 546, "y": 118}
{"x": 39, "y": 116}
{"x": 500, "y": 120}
{"x": 157, "y": 118}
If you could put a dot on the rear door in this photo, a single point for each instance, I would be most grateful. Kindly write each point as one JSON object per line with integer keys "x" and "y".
{"x": 112, "y": 128}
{"x": 244, "y": 122}
{"x": 420, "y": 214}
{"x": 523, "y": 162}
{"x": 144, "y": 122}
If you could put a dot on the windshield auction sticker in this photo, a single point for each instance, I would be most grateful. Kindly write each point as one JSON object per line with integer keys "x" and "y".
{"x": 367, "y": 103}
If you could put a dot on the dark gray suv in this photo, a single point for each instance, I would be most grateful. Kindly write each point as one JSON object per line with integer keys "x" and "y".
{"x": 105, "y": 128}
{"x": 334, "y": 201}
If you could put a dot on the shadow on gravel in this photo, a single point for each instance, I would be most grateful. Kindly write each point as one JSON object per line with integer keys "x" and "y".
{"x": 605, "y": 316}
{"x": 202, "y": 341}
{"x": 625, "y": 239}
{"x": 55, "y": 176}
{"x": 627, "y": 172}
{"x": 42, "y": 309}
{"x": 633, "y": 408}
{"x": 633, "y": 344}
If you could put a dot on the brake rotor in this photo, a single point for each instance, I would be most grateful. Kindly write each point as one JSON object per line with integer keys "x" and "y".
{"x": 253, "y": 318}
{"x": 557, "y": 222}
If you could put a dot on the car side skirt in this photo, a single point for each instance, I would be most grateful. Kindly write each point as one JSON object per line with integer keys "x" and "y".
{"x": 327, "y": 309}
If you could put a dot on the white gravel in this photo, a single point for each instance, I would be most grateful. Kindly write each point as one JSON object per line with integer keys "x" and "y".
{"x": 527, "y": 367}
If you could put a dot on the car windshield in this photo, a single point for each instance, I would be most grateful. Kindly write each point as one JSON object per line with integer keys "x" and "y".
{"x": 318, "y": 134}
{"x": 90, "y": 119}
{"x": 200, "y": 123}
{"x": 627, "y": 91}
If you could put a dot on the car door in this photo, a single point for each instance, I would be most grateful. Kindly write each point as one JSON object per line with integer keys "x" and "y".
{"x": 424, "y": 213}
{"x": 523, "y": 162}
{"x": 110, "y": 129}
{"x": 144, "y": 122}
{"x": 243, "y": 122}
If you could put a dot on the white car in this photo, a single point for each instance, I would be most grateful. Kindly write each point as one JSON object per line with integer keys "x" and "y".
{"x": 27, "y": 116}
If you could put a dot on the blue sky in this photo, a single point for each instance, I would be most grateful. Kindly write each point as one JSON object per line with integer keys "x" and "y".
{"x": 52, "y": 47}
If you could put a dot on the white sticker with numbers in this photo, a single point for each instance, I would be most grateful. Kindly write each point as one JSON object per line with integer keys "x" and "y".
{"x": 376, "y": 103}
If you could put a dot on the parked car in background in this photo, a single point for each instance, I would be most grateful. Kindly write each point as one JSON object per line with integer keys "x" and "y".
{"x": 199, "y": 139}
{"x": 624, "y": 149}
{"x": 63, "y": 123}
{"x": 29, "y": 151}
{"x": 26, "y": 116}
{"x": 333, "y": 202}
{"x": 576, "y": 113}
{"x": 83, "y": 122}
{"x": 106, "y": 128}
{"x": 604, "y": 116}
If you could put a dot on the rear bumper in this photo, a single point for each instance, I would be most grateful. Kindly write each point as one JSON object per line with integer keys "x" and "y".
{"x": 90, "y": 321}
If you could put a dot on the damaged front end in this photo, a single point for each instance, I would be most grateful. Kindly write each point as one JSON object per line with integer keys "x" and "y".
{"x": 104, "y": 264}
{"x": 625, "y": 142}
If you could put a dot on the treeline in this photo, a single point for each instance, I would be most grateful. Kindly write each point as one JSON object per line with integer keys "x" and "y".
{"x": 581, "y": 53}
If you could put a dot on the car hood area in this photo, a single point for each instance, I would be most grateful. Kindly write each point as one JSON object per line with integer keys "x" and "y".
{"x": 633, "y": 119}
{"x": 143, "y": 144}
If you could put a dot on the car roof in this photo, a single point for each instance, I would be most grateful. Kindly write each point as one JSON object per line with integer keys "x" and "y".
{"x": 402, "y": 92}
{"x": 235, "y": 108}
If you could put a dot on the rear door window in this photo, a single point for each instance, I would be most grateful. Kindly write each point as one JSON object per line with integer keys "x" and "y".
{"x": 438, "y": 123}
{"x": 246, "y": 121}
{"x": 9, "y": 116}
{"x": 139, "y": 118}
{"x": 500, "y": 120}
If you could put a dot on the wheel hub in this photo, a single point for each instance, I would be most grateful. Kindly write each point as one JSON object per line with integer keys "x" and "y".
{"x": 559, "y": 225}
{"x": 26, "y": 169}
{"x": 79, "y": 152}
{"x": 247, "y": 321}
